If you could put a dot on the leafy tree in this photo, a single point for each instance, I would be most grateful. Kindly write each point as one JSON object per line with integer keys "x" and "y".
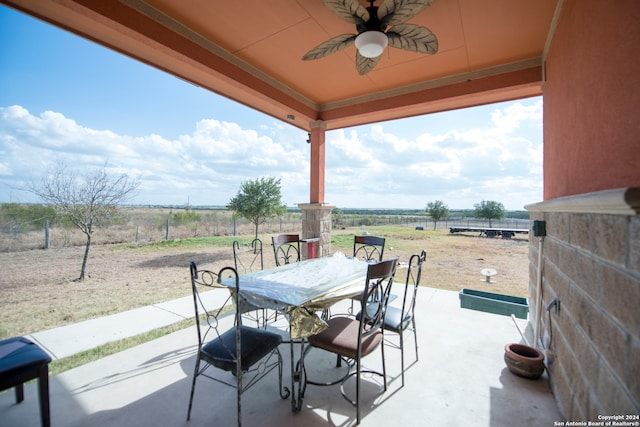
{"x": 258, "y": 200}
{"x": 488, "y": 209}
{"x": 19, "y": 216}
{"x": 89, "y": 200}
{"x": 437, "y": 210}
{"x": 186, "y": 217}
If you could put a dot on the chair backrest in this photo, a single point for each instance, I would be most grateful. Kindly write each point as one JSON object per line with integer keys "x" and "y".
{"x": 414, "y": 274}
{"x": 376, "y": 295}
{"x": 248, "y": 258}
{"x": 368, "y": 248}
{"x": 286, "y": 248}
{"x": 208, "y": 318}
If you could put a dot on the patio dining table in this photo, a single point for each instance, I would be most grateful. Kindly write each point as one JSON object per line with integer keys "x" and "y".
{"x": 301, "y": 290}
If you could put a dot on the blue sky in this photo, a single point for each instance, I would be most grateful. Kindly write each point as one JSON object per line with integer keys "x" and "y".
{"x": 63, "y": 98}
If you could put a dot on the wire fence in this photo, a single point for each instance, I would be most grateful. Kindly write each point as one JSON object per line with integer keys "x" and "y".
{"x": 140, "y": 225}
{"x": 427, "y": 223}
{"x": 136, "y": 226}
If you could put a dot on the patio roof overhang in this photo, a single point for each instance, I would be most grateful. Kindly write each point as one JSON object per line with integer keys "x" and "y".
{"x": 250, "y": 51}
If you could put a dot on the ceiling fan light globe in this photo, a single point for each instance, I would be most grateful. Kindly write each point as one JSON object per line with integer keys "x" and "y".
{"x": 370, "y": 44}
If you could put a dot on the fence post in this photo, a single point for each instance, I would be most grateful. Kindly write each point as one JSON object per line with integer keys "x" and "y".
{"x": 166, "y": 233}
{"x": 47, "y": 243}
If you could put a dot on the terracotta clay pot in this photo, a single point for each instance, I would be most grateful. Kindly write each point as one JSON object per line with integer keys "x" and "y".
{"x": 524, "y": 361}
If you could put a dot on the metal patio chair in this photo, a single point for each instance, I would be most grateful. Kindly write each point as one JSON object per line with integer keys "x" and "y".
{"x": 368, "y": 248}
{"x": 398, "y": 320}
{"x": 242, "y": 355}
{"x": 248, "y": 258}
{"x": 286, "y": 248}
{"x": 352, "y": 339}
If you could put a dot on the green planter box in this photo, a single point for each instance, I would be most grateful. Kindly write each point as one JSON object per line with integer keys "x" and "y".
{"x": 494, "y": 303}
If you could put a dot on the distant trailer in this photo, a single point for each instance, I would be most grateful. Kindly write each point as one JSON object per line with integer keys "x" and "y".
{"x": 492, "y": 233}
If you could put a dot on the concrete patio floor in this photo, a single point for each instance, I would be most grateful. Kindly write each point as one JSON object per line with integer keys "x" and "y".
{"x": 459, "y": 380}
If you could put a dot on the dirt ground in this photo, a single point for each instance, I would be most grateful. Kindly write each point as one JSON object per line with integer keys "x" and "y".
{"x": 38, "y": 290}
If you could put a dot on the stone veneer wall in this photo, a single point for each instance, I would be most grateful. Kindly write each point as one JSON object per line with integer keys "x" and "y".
{"x": 591, "y": 263}
{"x": 316, "y": 223}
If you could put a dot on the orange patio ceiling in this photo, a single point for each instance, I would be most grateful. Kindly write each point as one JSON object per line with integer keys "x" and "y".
{"x": 250, "y": 51}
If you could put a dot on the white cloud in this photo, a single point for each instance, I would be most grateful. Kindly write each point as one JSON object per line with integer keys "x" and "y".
{"x": 206, "y": 166}
{"x": 499, "y": 161}
{"x": 365, "y": 166}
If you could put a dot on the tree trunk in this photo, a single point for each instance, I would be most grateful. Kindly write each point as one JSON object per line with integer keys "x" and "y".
{"x": 86, "y": 257}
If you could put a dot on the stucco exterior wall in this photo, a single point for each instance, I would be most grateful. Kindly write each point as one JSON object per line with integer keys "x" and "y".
{"x": 591, "y": 254}
{"x": 592, "y": 98}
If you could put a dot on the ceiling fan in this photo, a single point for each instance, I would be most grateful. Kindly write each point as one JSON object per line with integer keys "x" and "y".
{"x": 377, "y": 27}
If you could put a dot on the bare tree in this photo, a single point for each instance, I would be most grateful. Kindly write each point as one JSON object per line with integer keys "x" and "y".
{"x": 88, "y": 200}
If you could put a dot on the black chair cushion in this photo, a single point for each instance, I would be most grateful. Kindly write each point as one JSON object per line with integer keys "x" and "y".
{"x": 341, "y": 337}
{"x": 393, "y": 320}
{"x": 255, "y": 344}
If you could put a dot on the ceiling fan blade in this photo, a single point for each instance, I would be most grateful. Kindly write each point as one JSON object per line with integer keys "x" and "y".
{"x": 364, "y": 64}
{"x": 349, "y": 10}
{"x": 394, "y": 12}
{"x": 332, "y": 45}
{"x": 413, "y": 37}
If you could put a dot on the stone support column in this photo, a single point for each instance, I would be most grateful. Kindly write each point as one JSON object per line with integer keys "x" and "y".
{"x": 316, "y": 223}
